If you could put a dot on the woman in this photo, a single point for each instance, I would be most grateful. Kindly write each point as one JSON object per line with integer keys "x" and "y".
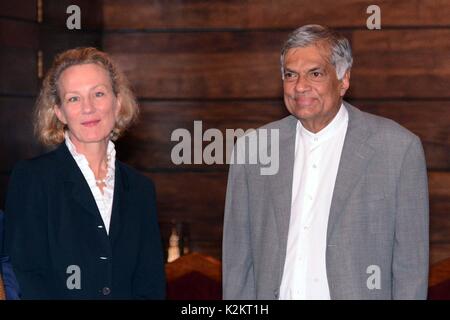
{"x": 79, "y": 223}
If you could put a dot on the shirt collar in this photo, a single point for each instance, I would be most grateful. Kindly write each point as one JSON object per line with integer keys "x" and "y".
{"x": 83, "y": 164}
{"x": 329, "y": 131}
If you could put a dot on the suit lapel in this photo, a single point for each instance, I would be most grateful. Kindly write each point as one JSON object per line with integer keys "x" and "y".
{"x": 281, "y": 185}
{"x": 119, "y": 202}
{"x": 75, "y": 182}
{"x": 355, "y": 156}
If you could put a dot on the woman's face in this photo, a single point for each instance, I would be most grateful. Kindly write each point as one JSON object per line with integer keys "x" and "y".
{"x": 88, "y": 107}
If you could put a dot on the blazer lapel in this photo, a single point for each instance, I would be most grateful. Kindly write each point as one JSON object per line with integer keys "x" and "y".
{"x": 75, "y": 182}
{"x": 121, "y": 188}
{"x": 355, "y": 156}
{"x": 281, "y": 186}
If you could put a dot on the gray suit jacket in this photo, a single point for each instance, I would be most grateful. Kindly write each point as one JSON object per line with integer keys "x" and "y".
{"x": 378, "y": 221}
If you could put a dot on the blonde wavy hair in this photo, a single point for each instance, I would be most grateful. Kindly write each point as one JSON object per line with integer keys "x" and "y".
{"x": 48, "y": 128}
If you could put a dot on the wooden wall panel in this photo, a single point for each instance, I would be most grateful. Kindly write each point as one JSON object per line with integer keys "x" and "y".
{"x": 264, "y": 14}
{"x": 9, "y": 29}
{"x": 195, "y": 199}
{"x": 148, "y": 145}
{"x": 16, "y": 132}
{"x": 20, "y": 9}
{"x": 401, "y": 63}
{"x": 413, "y": 63}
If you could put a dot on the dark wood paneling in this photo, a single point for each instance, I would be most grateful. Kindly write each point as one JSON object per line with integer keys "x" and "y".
{"x": 401, "y": 63}
{"x": 148, "y": 144}
{"x": 16, "y": 132}
{"x": 388, "y": 64}
{"x": 18, "y": 71}
{"x": 439, "y": 252}
{"x": 22, "y": 9}
{"x": 10, "y": 29}
{"x": 190, "y": 196}
{"x": 430, "y": 120}
{"x": 55, "y": 41}
{"x": 439, "y": 185}
{"x": 141, "y": 14}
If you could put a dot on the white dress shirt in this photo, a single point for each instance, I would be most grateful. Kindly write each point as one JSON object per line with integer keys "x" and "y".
{"x": 103, "y": 200}
{"x": 316, "y": 164}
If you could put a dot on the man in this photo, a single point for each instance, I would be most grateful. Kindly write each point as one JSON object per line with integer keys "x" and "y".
{"x": 346, "y": 216}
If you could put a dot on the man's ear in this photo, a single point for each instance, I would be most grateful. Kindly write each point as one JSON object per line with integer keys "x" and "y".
{"x": 345, "y": 83}
{"x": 59, "y": 114}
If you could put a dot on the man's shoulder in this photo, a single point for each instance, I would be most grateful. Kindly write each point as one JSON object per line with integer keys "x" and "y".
{"x": 286, "y": 123}
{"x": 381, "y": 127}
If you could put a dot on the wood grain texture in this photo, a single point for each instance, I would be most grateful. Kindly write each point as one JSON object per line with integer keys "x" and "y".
{"x": 18, "y": 71}
{"x": 28, "y": 34}
{"x": 20, "y": 9}
{"x": 387, "y": 64}
{"x": 263, "y": 14}
{"x": 148, "y": 144}
{"x": 17, "y": 140}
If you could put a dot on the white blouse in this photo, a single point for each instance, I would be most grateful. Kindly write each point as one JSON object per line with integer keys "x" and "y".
{"x": 103, "y": 200}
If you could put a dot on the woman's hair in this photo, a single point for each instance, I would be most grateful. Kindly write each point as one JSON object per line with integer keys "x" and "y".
{"x": 48, "y": 128}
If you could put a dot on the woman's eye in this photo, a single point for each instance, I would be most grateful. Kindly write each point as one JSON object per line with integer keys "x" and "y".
{"x": 73, "y": 99}
{"x": 99, "y": 94}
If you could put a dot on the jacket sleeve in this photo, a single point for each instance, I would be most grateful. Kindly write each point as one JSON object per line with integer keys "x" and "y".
{"x": 149, "y": 276}
{"x": 237, "y": 262}
{"x": 411, "y": 243}
{"x": 26, "y": 232}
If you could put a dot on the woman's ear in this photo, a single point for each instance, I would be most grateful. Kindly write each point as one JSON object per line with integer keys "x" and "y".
{"x": 118, "y": 105}
{"x": 59, "y": 114}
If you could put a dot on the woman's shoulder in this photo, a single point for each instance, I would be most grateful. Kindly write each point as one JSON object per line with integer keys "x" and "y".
{"x": 41, "y": 164}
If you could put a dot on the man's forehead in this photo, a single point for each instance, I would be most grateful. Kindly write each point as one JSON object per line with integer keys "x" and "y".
{"x": 307, "y": 56}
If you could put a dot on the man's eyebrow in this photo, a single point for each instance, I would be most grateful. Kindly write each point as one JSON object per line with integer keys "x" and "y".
{"x": 320, "y": 68}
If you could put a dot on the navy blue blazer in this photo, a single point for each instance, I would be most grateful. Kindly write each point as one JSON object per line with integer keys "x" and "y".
{"x": 57, "y": 241}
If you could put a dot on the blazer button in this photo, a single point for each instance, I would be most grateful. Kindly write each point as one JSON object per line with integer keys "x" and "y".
{"x": 106, "y": 291}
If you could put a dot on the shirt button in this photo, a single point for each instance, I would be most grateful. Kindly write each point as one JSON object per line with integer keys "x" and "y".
{"x": 106, "y": 291}
{"x": 310, "y": 197}
{"x": 314, "y": 166}
{"x": 305, "y": 228}
{"x": 103, "y": 258}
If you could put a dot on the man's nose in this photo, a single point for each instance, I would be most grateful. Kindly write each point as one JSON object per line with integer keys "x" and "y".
{"x": 302, "y": 84}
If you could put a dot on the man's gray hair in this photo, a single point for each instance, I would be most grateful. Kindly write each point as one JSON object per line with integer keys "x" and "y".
{"x": 341, "y": 52}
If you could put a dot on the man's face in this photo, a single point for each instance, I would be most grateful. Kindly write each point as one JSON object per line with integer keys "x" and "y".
{"x": 312, "y": 92}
